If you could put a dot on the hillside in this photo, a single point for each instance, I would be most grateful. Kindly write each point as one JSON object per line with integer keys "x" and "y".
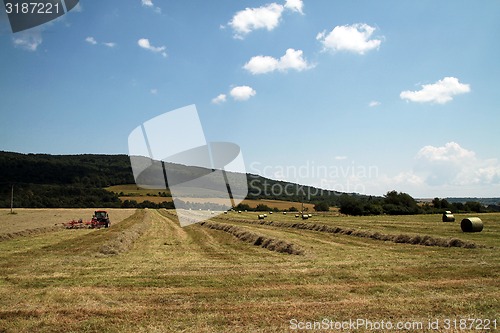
{"x": 43, "y": 180}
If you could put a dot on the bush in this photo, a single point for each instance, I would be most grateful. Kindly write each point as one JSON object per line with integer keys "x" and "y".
{"x": 322, "y": 207}
{"x": 262, "y": 208}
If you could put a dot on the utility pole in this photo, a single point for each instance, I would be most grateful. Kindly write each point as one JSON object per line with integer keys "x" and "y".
{"x": 12, "y": 200}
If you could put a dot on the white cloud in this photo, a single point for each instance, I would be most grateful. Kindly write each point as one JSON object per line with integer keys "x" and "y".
{"x": 295, "y": 6}
{"x": 28, "y": 40}
{"x": 293, "y": 59}
{"x": 91, "y": 40}
{"x": 440, "y": 92}
{"x": 154, "y": 91}
{"x": 373, "y": 104}
{"x": 452, "y": 164}
{"x": 219, "y": 99}
{"x": 449, "y": 170}
{"x": 351, "y": 38}
{"x": 249, "y": 19}
{"x": 242, "y": 93}
{"x": 145, "y": 44}
{"x": 150, "y": 4}
{"x": 340, "y": 158}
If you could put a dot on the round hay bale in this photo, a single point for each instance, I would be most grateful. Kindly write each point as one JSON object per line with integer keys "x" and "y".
{"x": 448, "y": 217}
{"x": 296, "y": 215}
{"x": 310, "y": 215}
{"x": 472, "y": 224}
{"x": 284, "y": 213}
{"x": 261, "y": 217}
{"x": 270, "y": 213}
{"x": 265, "y": 215}
{"x": 239, "y": 212}
{"x": 305, "y": 216}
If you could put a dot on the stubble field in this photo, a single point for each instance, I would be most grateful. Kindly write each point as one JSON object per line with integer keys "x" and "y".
{"x": 147, "y": 274}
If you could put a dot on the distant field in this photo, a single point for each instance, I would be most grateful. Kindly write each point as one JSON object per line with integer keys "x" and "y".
{"x": 196, "y": 279}
{"x": 132, "y": 192}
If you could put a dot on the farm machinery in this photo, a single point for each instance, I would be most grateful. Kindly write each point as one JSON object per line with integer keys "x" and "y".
{"x": 99, "y": 219}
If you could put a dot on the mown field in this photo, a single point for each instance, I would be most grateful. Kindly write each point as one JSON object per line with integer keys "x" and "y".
{"x": 231, "y": 274}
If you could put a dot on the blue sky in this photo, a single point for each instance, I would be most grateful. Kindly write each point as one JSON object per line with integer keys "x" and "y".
{"x": 365, "y": 96}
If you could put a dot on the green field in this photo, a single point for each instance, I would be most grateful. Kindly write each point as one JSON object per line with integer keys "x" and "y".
{"x": 147, "y": 274}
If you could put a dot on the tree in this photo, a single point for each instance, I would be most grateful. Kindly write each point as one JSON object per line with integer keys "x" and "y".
{"x": 474, "y": 206}
{"x": 262, "y": 208}
{"x": 436, "y": 203}
{"x": 322, "y": 207}
{"x": 350, "y": 205}
{"x": 400, "y": 204}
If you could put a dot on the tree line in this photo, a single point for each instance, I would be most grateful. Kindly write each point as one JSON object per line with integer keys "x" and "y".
{"x": 399, "y": 203}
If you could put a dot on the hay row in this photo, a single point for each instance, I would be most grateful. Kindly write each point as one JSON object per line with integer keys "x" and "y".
{"x": 28, "y": 232}
{"x": 266, "y": 242}
{"x": 401, "y": 238}
{"x": 125, "y": 239}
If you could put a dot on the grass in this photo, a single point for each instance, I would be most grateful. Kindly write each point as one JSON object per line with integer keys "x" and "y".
{"x": 32, "y": 219}
{"x": 196, "y": 279}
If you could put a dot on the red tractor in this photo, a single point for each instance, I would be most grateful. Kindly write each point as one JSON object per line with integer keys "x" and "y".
{"x": 100, "y": 219}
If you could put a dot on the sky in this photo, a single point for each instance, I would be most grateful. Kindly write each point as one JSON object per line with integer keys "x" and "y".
{"x": 354, "y": 96}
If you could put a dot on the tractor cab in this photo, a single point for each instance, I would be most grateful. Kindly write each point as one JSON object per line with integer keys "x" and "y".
{"x": 100, "y": 219}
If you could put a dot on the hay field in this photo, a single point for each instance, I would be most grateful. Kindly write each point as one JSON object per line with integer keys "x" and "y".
{"x": 202, "y": 279}
{"x": 30, "y": 219}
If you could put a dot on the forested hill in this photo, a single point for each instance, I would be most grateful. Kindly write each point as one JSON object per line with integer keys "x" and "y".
{"x": 89, "y": 170}
{"x": 43, "y": 180}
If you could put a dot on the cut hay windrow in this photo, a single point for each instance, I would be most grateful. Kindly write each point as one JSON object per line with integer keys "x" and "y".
{"x": 401, "y": 238}
{"x": 28, "y": 232}
{"x": 126, "y": 238}
{"x": 247, "y": 236}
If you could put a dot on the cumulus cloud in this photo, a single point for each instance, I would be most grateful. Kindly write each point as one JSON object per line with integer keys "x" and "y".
{"x": 145, "y": 44}
{"x": 109, "y": 44}
{"x": 28, "y": 40}
{"x": 452, "y": 164}
{"x": 295, "y": 6}
{"x": 293, "y": 59}
{"x": 440, "y": 92}
{"x": 150, "y": 4}
{"x": 219, "y": 99}
{"x": 373, "y": 104}
{"x": 242, "y": 93}
{"x": 91, "y": 40}
{"x": 447, "y": 170}
{"x": 154, "y": 91}
{"x": 264, "y": 17}
{"x": 351, "y": 38}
